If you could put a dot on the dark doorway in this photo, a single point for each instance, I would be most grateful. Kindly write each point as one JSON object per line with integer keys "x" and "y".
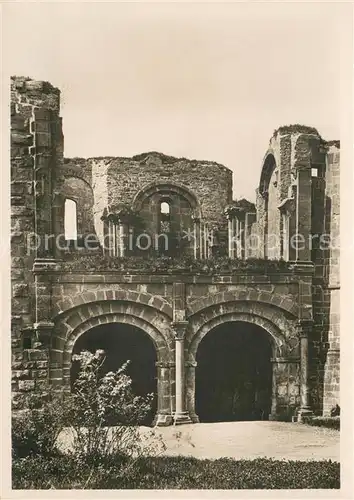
{"x": 234, "y": 374}
{"x": 122, "y": 343}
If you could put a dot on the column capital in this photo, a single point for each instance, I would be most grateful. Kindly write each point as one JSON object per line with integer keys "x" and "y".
{"x": 285, "y": 360}
{"x": 44, "y": 331}
{"x": 165, "y": 364}
{"x": 179, "y": 329}
{"x": 190, "y": 363}
{"x": 304, "y": 327}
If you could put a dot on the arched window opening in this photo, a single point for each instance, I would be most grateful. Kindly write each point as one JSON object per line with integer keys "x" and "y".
{"x": 70, "y": 219}
{"x": 165, "y": 217}
{"x": 165, "y": 208}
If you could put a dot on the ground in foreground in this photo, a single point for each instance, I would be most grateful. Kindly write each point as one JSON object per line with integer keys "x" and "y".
{"x": 175, "y": 473}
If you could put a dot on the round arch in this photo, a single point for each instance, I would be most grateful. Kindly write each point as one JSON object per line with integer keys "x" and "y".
{"x": 166, "y": 188}
{"x": 269, "y": 165}
{"x": 65, "y": 337}
{"x": 248, "y": 297}
{"x": 281, "y": 327}
{"x": 277, "y": 338}
{"x": 72, "y": 323}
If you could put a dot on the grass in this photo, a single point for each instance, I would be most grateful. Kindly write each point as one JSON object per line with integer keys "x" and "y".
{"x": 63, "y": 472}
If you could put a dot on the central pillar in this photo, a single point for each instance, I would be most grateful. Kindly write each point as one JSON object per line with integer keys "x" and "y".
{"x": 181, "y": 416}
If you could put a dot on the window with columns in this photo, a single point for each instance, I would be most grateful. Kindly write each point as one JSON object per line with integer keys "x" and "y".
{"x": 165, "y": 237}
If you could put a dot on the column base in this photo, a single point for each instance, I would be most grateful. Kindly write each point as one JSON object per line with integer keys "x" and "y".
{"x": 194, "y": 417}
{"x": 163, "y": 420}
{"x": 305, "y": 411}
{"x": 182, "y": 418}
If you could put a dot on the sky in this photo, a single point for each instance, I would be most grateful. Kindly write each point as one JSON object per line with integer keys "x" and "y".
{"x": 202, "y": 81}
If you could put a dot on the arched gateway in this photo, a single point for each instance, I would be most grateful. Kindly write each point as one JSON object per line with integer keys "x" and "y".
{"x": 233, "y": 360}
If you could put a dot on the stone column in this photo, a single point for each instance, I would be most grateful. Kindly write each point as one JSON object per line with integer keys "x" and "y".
{"x": 190, "y": 390}
{"x": 284, "y": 392}
{"x": 197, "y": 238}
{"x": 231, "y": 235}
{"x": 181, "y": 416}
{"x": 305, "y": 409}
{"x": 250, "y": 219}
{"x": 164, "y": 406}
{"x": 115, "y": 240}
{"x": 110, "y": 238}
{"x": 206, "y": 245}
{"x": 273, "y": 408}
{"x": 265, "y": 225}
{"x": 121, "y": 236}
{"x": 241, "y": 226}
{"x": 303, "y": 214}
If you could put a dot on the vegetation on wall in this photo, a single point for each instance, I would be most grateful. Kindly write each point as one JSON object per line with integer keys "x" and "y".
{"x": 172, "y": 265}
{"x": 295, "y": 129}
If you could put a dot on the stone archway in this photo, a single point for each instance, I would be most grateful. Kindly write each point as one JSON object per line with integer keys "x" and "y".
{"x": 281, "y": 329}
{"x": 123, "y": 342}
{"x": 234, "y": 373}
{"x": 145, "y": 318}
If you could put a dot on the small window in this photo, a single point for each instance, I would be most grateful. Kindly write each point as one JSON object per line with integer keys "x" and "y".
{"x": 165, "y": 208}
{"x": 314, "y": 172}
{"x": 70, "y": 219}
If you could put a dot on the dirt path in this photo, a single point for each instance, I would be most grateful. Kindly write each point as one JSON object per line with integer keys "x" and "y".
{"x": 248, "y": 440}
{"x": 252, "y": 440}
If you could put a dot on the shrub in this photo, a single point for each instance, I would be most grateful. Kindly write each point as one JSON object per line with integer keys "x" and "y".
{"x": 35, "y": 430}
{"x": 102, "y": 414}
{"x": 329, "y": 422}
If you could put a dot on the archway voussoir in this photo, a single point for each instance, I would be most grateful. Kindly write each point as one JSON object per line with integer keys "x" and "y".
{"x": 115, "y": 306}
{"x": 109, "y": 294}
{"x": 105, "y": 307}
{"x": 89, "y": 297}
{"x": 294, "y": 309}
{"x": 133, "y": 296}
{"x": 58, "y": 307}
{"x": 95, "y": 309}
{"x": 254, "y": 295}
{"x": 144, "y": 298}
{"x": 276, "y": 299}
{"x": 167, "y": 309}
{"x": 119, "y": 294}
{"x": 74, "y": 319}
{"x": 264, "y": 296}
{"x": 241, "y": 294}
{"x": 287, "y": 304}
{"x": 100, "y": 295}
{"x": 228, "y": 296}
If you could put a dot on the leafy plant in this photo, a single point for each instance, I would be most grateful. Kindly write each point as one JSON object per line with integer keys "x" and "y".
{"x": 35, "y": 430}
{"x": 329, "y": 422}
{"x": 102, "y": 414}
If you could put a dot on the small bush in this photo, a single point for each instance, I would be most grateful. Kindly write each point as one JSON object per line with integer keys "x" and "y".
{"x": 329, "y": 422}
{"x": 173, "y": 473}
{"x": 35, "y": 430}
{"x": 102, "y": 414}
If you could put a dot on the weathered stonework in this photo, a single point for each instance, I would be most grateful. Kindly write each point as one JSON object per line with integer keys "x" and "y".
{"x": 56, "y": 301}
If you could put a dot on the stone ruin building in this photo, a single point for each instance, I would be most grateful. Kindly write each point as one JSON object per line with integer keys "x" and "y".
{"x": 229, "y": 321}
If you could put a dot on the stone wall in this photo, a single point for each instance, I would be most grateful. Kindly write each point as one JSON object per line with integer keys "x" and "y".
{"x": 43, "y": 293}
{"x": 36, "y": 152}
{"x": 331, "y": 286}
